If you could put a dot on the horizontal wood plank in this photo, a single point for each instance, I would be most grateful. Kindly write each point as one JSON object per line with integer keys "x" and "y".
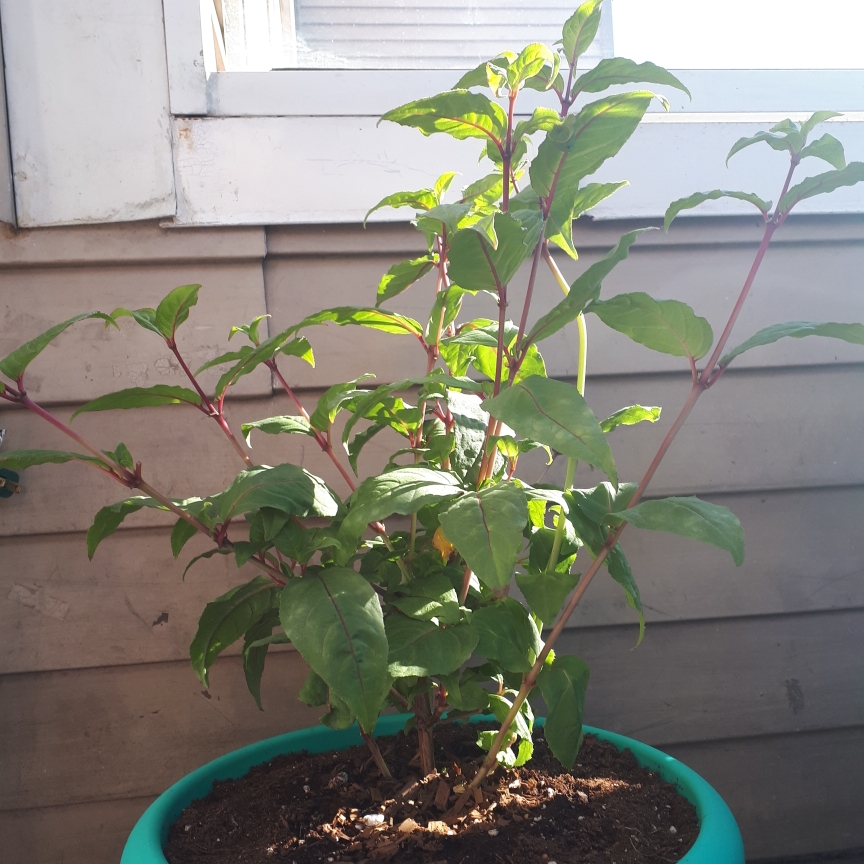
{"x": 144, "y": 726}
{"x": 791, "y": 794}
{"x": 88, "y": 360}
{"x": 129, "y": 605}
{"x": 399, "y": 237}
{"x": 706, "y": 278}
{"x": 93, "y": 833}
{"x": 133, "y": 731}
{"x": 703, "y": 680}
{"x": 755, "y": 430}
{"x": 140, "y": 243}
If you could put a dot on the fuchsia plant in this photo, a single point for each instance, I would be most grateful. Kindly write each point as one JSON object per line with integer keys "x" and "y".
{"x": 391, "y": 618}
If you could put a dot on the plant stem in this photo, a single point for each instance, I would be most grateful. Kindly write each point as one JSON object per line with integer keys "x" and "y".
{"x": 211, "y": 409}
{"x": 466, "y": 584}
{"x": 122, "y": 474}
{"x": 372, "y": 744}
{"x": 582, "y": 364}
{"x": 323, "y": 443}
{"x": 424, "y": 734}
{"x": 698, "y": 388}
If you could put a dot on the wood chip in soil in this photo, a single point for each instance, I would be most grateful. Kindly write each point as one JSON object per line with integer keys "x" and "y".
{"x": 336, "y": 807}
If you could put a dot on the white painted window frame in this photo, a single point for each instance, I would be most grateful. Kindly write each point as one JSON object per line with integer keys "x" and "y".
{"x": 224, "y": 176}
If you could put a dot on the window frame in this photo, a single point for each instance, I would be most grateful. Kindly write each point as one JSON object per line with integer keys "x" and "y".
{"x": 207, "y": 109}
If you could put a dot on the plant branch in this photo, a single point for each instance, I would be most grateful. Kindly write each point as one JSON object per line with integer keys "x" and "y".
{"x": 210, "y": 408}
{"x": 372, "y": 744}
{"x": 696, "y": 391}
{"x": 323, "y": 443}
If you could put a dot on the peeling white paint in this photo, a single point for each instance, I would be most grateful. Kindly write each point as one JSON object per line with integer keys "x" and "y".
{"x": 34, "y": 597}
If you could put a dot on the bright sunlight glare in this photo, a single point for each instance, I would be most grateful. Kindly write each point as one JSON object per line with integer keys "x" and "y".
{"x": 741, "y": 34}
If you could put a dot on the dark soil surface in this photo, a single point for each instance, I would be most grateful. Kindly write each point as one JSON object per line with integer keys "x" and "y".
{"x": 336, "y": 807}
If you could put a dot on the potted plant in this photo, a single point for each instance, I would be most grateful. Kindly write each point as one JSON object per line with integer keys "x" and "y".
{"x": 390, "y": 618}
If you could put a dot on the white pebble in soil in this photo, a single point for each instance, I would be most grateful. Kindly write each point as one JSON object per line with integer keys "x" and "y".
{"x": 673, "y": 829}
{"x": 373, "y": 819}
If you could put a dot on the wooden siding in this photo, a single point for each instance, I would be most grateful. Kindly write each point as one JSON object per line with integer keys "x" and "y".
{"x": 747, "y": 674}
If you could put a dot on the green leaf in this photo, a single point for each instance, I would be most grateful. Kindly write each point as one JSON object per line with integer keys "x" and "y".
{"x": 289, "y": 424}
{"x": 121, "y": 456}
{"x": 688, "y": 517}
{"x": 334, "y": 619}
{"x": 299, "y": 347}
{"x": 827, "y": 148}
{"x": 142, "y": 397}
{"x": 257, "y": 640}
{"x": 584, "y": 141}
{"x": 815, "y": 119}
{"x": 701, "y": 197}
{"x": 403, "y": 491}
{"x": 314, "y": 690}
{"x": 529, "y": 63}
{"x": 227, "y": 618}
{"x": 486, "y": 529}
{"x": 554, "y": 413}
{"x": 359, "y": 441}
{"x": 477, "y": 77}
{"x": 423, "y": 648}
{"x": 333, "y": 400}
{"x": 181, "y": 534}
{"x": 821, "y": 184}
{"x": 285, "y": 487}
{"x": 580, "y": 29}
{"x": 563, "y": 684}
{"x": 587, "y": 510}
{"x": 108, "y": 519}
{"x": 18, "y": 460}
{"x": 428, "y": 597}
{"x": 585, "y": 289}
{"x": 14, "y": 364}
{"x": 261, "y": 354}
{"x": 485, "y": 191}
{"x": 776, "y": 142}
{"x": 174, "y": 309}
{"x": 629, "y": 417}
{"x": 546, "y": 592}
{"x": 667, "y": 326}
{"x": 507, "y": 635}
{"x": 543, "y": 119}
{"x": 145, "y": 317}
{"x": 852, "y": 333}
{"x": 401, "y": 276}
{"x": 476, "y": 266}
{"x": 571, "y": 203}
{"x": 464, "y": 694}
{"x": 250, "y": 329}
{"x": 204, "y": 555}
{"x": 458, "y": 113}
{"x": 422, "y": 199}
{"x": 612, "y": 71}
{"x": 376, "y": 319}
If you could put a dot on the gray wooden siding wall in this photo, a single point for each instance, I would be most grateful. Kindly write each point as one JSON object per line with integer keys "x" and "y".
{"x": 751, "y": 675}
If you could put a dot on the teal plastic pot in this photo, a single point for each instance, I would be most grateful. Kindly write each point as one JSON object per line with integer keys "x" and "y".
{"x": 719, "y": 840}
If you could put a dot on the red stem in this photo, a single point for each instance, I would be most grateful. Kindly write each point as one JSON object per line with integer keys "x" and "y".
{"x": 323, "y": 443}
{"x": 699, "y": 386}
{"x": 209, "y": 407}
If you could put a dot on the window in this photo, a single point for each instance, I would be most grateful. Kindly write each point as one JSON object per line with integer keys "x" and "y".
{"x": 292, "y": 145}
{"x": 256, "y": 35}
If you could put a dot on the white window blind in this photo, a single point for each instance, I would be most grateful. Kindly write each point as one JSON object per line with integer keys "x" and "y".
{"x": 370, "y": 34}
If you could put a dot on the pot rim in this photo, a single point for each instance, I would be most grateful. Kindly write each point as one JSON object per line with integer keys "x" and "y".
{"x": 719, "y": 840}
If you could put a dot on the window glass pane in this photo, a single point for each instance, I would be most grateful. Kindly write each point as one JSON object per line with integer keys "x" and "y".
{"x": 385, "y": 34}
{"x": 430, "y": 34}
{"x": 741, "y": 34}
